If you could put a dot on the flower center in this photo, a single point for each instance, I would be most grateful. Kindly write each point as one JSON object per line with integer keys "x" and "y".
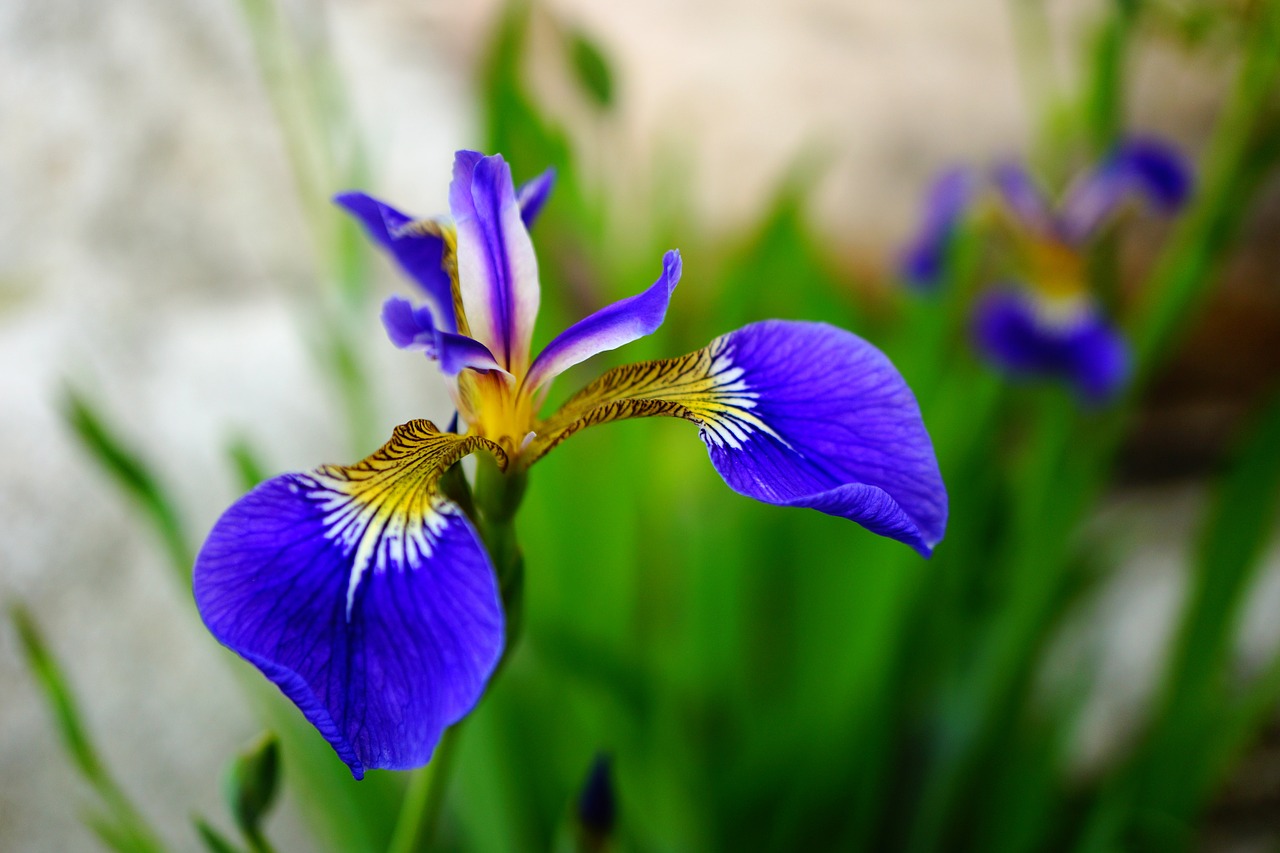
{"x": 491, "y": 408}
{"x": 1055, "y": 270}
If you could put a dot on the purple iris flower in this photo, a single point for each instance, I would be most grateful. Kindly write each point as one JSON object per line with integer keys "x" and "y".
{"x": 946, "y": 203}
{"x": 1048, "y": 324}
{"x": 367, "y": 596}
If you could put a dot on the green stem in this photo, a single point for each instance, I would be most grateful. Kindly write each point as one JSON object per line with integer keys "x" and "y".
{"x": 424, "y": 799}
{"x": 497, "y": 499}
{"x": 492, "y": 507}
{"x": 1233, "y": 169}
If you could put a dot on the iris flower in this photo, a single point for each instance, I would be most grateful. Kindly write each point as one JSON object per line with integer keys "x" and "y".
{"x": 1048, "y": 323}
{"x": 366, "y": 594}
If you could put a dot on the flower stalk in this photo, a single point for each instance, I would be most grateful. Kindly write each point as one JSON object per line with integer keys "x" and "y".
{"x": 424, "y": 798}
{"x": 492, "y": 508}
{"x": 497, "y": 500}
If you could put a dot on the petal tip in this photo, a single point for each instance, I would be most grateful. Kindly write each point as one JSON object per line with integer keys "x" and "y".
{"x": 672, "y": 268}
{"x": 533, "y": 195}
{"x": 348, "y": 198}
{"x": 1165, "y": 174}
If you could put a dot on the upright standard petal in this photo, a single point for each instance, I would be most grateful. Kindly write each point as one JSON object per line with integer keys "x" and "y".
{"x": 609, "y": 328}
{"x": 1024, "y": 199}
{"x": 497, "y": 268}
{"x": 946, "y": 203}
{"x": 792, "y": 413}
{"x": 1026, "y": 339}
{"x": 364, "y": 594}
{"x": 533, "y": 194}
{"x": 418, "y": 246}
{"x": 1140, "y": 168}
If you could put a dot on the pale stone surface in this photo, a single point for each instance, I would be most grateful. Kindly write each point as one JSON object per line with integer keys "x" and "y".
{"x": 152, "y": 254}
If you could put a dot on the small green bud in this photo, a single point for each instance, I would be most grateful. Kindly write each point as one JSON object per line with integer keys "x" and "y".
{"x": 597, "y": 807}
{"x": 251, "y": 782}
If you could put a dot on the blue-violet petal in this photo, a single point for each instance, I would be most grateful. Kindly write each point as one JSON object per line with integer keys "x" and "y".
{"x": 946, "y": 203}
{"x": 609, "y": 328}
{"x": 814, "y": 416}
{"x": 1140, "y": 168}
{"x": 363, "y": 594}
{"x": 419, "y": 252}
{"x": 532, "y": 196}
{"x": 497, "y": 268}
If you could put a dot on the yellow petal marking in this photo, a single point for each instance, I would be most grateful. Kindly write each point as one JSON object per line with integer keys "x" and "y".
{"x": 388, "y": 507}
{"x": 705, "y": 387}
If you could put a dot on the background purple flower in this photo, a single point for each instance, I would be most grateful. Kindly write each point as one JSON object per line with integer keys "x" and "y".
{"x": 1012, "y": 330}
{"x": 1051, "y": 326}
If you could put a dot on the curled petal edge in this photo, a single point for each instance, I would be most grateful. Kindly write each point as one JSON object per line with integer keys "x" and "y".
{"x": 411, "y": 328}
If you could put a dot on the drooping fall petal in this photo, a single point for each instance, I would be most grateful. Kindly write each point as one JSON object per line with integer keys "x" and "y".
{"x": 417, "y": 246}
{"x": 792, "y": 413}
{"x": 364, "y": 594}
{"x": 1026, "y": 338}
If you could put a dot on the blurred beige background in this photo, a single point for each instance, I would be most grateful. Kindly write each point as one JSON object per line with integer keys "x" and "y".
{"x": 153, "y": 254}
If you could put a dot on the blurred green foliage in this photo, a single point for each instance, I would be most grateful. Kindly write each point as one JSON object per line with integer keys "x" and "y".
{"x": 132, "y": 474}
{"x": 781, "y": 680}
{"x": 118, "y": 825}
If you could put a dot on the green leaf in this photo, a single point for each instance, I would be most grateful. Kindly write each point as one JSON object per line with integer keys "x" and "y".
{"x": 591, "y": 68}
{"x": 53, "y": 683}
{"x": 132, "y": 475}
{"x": 1232, "y": 545}
{"x": 1247, "y": 719}
{"x": 1199, "y": 725}
{"x": 1230, "y": 550}
{"x": 111, "y": 833}
{"x": 122, "y": 827}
